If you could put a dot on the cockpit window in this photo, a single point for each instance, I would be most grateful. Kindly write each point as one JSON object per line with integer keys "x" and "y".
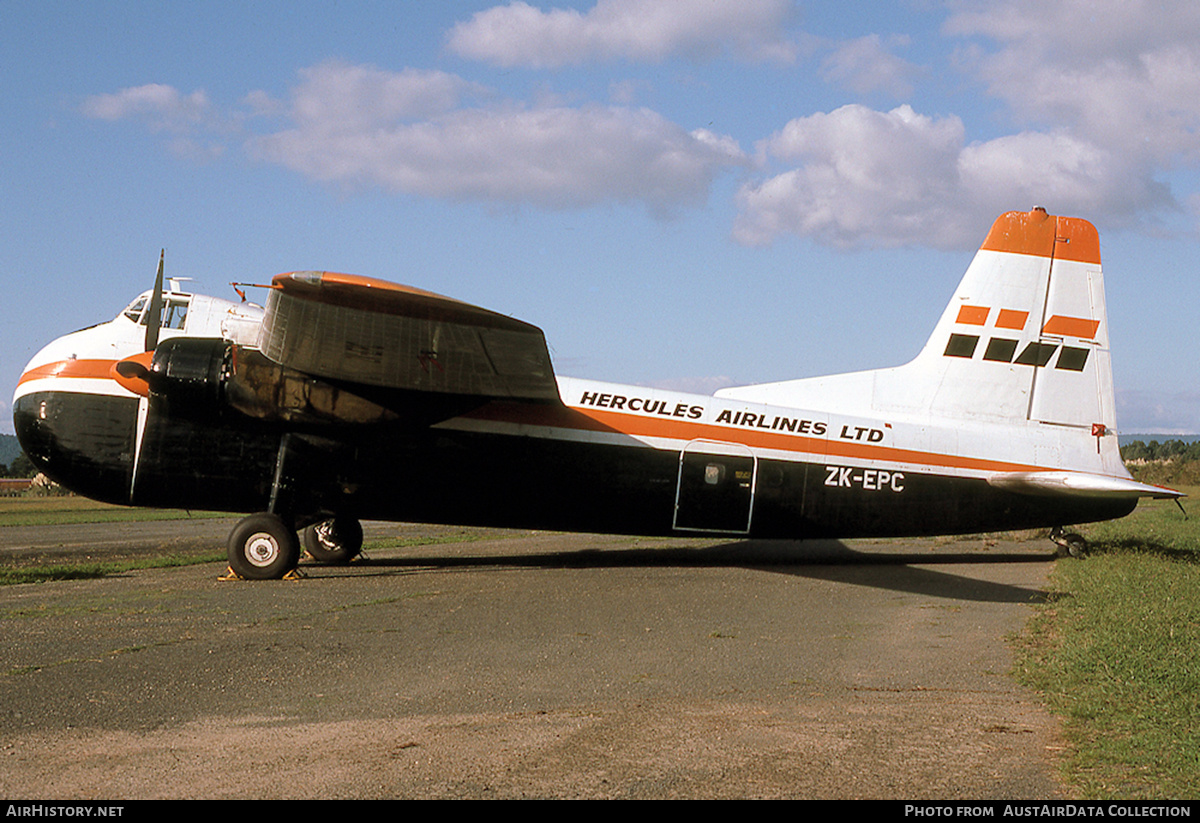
{"x": 174, "y": 312}
{"x": 134, "y": 312}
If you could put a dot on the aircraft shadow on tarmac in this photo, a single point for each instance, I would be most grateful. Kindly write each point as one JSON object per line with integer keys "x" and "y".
{"x": 829, "y": 560}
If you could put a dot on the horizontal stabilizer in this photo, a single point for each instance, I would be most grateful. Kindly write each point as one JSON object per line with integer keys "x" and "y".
{"x": 1079, "y": 484}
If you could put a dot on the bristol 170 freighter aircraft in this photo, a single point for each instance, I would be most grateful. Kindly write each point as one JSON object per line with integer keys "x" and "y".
{"x": 350, "y": 398}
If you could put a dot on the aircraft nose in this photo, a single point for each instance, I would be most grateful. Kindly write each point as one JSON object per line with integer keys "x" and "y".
{"x": 83, "y": 441}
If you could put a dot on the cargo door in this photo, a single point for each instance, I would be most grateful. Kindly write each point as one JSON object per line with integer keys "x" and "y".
{"x": 715, "y": 492}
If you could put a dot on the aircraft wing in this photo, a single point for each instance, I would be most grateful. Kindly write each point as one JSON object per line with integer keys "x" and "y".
{"x": 360, "y": 331}
{"x": 1079, "y": 484}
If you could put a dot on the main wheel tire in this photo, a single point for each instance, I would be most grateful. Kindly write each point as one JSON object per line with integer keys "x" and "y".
{"x": 335, "y": 541}
{"x": 263, "y": 547}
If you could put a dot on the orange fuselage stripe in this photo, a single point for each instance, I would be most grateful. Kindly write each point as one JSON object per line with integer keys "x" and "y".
{"x": 595, "y": 420}
{"x": 831, "y": 447}
{"x": 668, "y": 428}
{"x": 93, "y": 369}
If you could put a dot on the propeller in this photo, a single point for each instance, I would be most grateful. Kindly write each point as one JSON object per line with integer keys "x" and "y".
{"x": 154, "y": 320}
{"x": 134, "y": 372}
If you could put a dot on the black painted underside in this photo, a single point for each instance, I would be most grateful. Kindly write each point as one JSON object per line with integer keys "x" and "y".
{"x": 228, "y": 463}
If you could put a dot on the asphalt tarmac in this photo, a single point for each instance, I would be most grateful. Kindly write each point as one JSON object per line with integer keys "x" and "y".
{"x": 476, "y": 664}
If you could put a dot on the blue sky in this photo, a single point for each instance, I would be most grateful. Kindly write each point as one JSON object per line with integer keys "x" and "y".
{"x": 687, "y": 194}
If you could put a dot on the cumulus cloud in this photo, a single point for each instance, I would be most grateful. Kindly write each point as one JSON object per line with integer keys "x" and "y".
{"x": 435, "y": 134}
{"x": 355, "y": 97}
{"x": 163, "y": 107}
{"x": 1104, "y": 97}
{"x": 640, "y": 30}
{"x": 407, "y": 132}
{"x": 1124, "y": 75}
{"x": 1103, "y": 101}
{"x": 1065, "y": 170}
{"x": 867, "y": 65}
{"x": 860, "y": 174}
{"x": 898, "y": 178}
{"x": 550, "y": 157}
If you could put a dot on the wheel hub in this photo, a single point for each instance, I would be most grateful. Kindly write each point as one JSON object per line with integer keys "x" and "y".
{"x": 262, "y": 549}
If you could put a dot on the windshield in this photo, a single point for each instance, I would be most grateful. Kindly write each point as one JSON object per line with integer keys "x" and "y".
{"x": 174, "y": 311}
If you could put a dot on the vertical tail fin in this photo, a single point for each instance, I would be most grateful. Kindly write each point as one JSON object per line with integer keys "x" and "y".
{"x": 1025, "y": 336}
{"x": 1023, "y": 340}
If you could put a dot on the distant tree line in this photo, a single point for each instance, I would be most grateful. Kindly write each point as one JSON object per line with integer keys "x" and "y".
{"x": 21, "y": 466}
{"x": 1154, "y": 451}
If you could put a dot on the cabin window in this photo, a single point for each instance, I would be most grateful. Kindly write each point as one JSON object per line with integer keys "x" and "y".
{"x": 714, "y": 473}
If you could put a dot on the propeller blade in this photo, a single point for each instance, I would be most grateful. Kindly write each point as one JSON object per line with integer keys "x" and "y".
{"x": 154, "y": 319}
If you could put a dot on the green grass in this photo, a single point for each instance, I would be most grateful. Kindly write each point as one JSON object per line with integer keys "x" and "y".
{"x": 57, "y": 510}
{"x": 11, "y": 575}
{"x": 1116, "y": 653}
{"x": 52, "y": 511}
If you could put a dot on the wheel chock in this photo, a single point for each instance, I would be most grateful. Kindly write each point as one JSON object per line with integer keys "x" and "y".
{"x": 230, "y": 574}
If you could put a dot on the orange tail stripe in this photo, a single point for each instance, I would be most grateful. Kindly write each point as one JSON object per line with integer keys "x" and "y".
{"x": 1012, "y": 319}
{"x": 1071, "y": 327}
{"x": 1043, "y": 235}
{"x": 973, "y": 315}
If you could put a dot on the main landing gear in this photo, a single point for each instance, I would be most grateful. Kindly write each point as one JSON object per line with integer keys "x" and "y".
{"x": 264, "y": 547}
{"x": 335, "y": 541}
{"x": 1068, "y": 543}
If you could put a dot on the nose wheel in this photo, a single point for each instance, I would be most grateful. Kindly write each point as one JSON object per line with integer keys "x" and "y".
{"x": 263, "y": 547}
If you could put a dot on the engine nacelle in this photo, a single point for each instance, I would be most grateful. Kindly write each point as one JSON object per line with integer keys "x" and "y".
{"x": 190, "y": 374}
{"x": 265, "y": 390}
{"x": 203, "y": 377}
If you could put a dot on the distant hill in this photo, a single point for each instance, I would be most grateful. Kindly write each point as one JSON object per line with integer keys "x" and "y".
{"x": 9, "y": 448}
